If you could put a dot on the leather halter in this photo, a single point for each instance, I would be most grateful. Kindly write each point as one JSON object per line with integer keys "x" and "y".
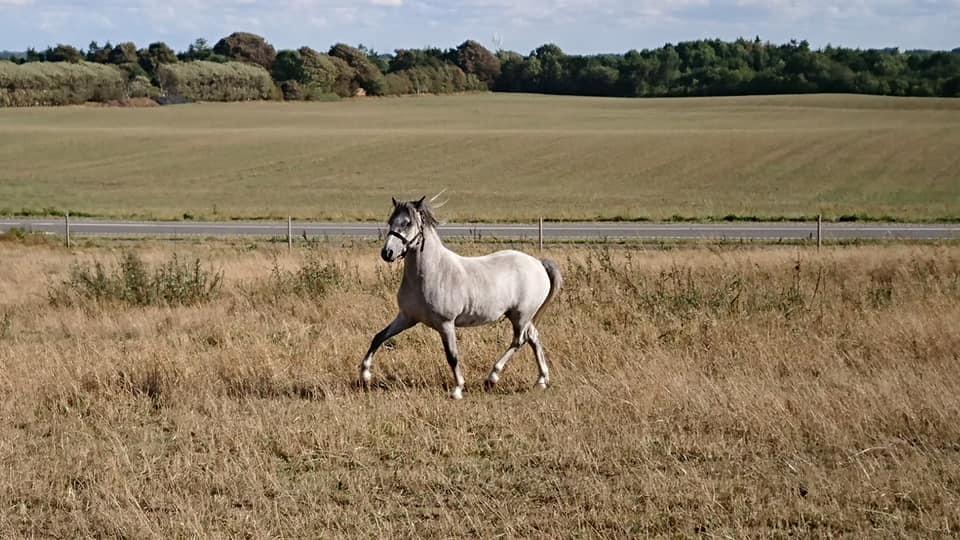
{"x": 406, "y": 242}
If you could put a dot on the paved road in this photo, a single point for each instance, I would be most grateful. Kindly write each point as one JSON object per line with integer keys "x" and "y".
{"x": 552, "y": 231}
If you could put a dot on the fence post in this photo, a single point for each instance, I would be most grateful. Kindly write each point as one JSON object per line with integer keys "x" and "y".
{"x": 540, "y": 229}
{"x": 289, "y": 232}
{"x": 66, "y": 227}
{"x": 819, "y": 231}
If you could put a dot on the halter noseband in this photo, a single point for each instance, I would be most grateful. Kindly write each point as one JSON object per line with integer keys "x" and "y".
{"x": 406, "y": 242}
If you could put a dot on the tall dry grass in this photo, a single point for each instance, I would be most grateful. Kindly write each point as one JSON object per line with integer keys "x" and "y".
{"x": 702, "y": 391}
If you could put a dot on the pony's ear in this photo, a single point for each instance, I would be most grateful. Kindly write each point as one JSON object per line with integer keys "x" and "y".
{"x": 395, "y": 204}
{"x": 420, "y": 202}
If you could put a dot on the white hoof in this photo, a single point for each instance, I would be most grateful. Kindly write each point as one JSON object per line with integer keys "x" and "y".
{"x": 491, "y": 381}
{"x": 366, "y": 376}
{"x": 542, "y": 383}
{"x": 457, "y": 393}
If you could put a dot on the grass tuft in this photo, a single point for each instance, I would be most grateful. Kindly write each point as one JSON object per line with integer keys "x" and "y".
{"x": 314, "y": 279}
{"x": 22, "y": 236}
{"x": 132, "y": 282}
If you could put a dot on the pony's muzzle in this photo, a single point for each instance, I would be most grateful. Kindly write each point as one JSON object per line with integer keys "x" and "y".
{"x": 387, "y": 254}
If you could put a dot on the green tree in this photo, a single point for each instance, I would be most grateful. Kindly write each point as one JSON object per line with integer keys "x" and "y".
{"x": 32, "y": 55}
{"x": 161, "y": 53}
{"x": 951, "y": 87}
{"x": 154, "y": 55}
{"x": 598, "y": 80}
{"x": 553, "y": 76}
{"x": 63, "y": 53}
{"x": 668, "y": 68}
{"x": 511, "y": 71}
{"x": 123, "y": 53}
{"x": 98, "y": 54}
{"x": 381, "y": 61}
{"x": 413, "y": 58}
{"x": 531, "y": 76}
{"x": 474, "y": 59}
{"x": 636, "y": 72}
{"x": 198, "y": 50}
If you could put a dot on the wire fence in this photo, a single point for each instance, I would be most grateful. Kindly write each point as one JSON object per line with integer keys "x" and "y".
{"x": 540, "y": 232}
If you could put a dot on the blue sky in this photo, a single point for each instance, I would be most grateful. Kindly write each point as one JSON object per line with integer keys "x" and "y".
{"x": 577, "y": 26}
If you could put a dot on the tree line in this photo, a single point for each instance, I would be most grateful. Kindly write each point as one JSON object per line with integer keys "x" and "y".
{"x": 719, "y": 68}
{"x": 691, "y": 68}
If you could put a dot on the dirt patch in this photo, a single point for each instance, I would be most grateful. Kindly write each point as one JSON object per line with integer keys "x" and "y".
{"x": 132, "y": 102}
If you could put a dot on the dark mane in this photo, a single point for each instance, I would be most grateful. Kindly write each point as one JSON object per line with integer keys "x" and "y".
{"x": 429, "y": 219}
{"x": 412, "y": 208}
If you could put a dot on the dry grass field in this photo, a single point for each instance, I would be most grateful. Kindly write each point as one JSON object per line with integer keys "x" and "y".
{"x": 564, "y": 157}
{"x": 716, "y": 391}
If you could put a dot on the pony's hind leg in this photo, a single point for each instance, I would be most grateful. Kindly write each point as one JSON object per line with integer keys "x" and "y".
{"x": 533, "y": 337}
{"x": 399, "y": 324}
{"x": 499, "y": 366}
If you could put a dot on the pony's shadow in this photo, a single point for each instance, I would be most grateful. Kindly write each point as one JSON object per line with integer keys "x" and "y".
{"x": 389, "y": 382}
{"x": 392, "y": 383}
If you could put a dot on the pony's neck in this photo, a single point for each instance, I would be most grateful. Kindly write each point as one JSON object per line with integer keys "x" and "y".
{"x": 423, "y": 258}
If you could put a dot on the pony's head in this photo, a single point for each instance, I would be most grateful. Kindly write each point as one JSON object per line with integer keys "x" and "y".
{"x": 405, "y": 228}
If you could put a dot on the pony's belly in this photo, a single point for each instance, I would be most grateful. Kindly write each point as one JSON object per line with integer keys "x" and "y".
{"x": 475, "y": 319}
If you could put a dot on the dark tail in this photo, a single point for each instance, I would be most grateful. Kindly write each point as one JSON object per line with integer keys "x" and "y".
{"x": 556, "y": 281}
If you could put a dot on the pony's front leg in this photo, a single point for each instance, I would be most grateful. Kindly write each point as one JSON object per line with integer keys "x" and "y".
{"x": 448, "y": 332}
{"x": 399, "y": 324}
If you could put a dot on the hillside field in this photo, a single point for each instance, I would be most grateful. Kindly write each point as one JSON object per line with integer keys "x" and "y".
{"x": 500, "y": 157}
{"x": 719, "y": 391}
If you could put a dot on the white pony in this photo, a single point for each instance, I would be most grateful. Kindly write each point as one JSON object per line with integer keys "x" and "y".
{"x": 444, "y": 290}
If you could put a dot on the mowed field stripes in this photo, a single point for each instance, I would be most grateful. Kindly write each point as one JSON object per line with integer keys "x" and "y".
{"x": 514, "y": 231}
{"x": 501, "y": 158}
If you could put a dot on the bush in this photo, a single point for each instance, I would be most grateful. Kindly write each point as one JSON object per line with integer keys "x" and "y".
{"x": 442, "y": 79}
{"x": 59, "y": 83}
{"x": 327, "y": 74}
{"x": 246, "y": 47}
{"x": 19, "y": 235}
{"x": 398, "y": 84}
{"x": 292, "y": 91}
{"x": 314, "y": 93}
{"x": 314, "y": 279}
{"x": 133, "y": 70}
{"x": 210, "y": 81}
{"x": 131, "y": 282}
{"x": 141, "y": 87}
{"x": 288, "y": 66}
{"x": 368, "y": 75}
